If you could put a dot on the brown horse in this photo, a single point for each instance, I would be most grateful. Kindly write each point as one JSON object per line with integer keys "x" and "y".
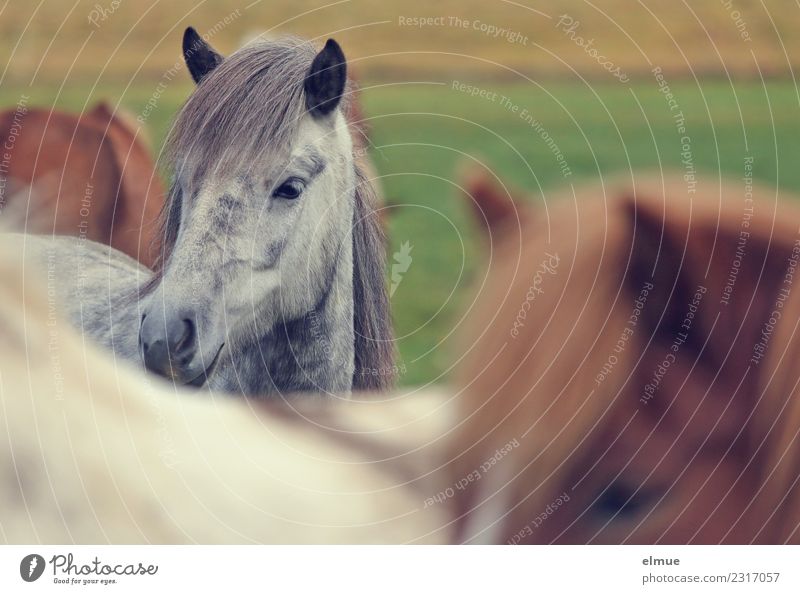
{"x": 631, "y": 376}
{"x": 86, "y": 175}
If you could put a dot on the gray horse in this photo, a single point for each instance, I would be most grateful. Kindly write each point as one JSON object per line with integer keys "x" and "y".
{"x": 271, "y": 278}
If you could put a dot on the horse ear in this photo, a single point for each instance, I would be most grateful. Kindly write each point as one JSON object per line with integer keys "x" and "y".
{"x": 200, "y": 57}
{"x": 102, "y": 112}
{"x": 325, "y": 80}
{"x": 491, "y": 201}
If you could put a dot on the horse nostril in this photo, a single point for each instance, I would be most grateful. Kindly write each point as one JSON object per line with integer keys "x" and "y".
{"x": 143, "y": 344}
{"x": 185, "y": 341}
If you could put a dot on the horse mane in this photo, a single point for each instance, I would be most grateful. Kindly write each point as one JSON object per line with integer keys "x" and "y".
{"x": 374, "y": 345}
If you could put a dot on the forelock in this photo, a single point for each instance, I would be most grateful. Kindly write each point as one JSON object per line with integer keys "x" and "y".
{"x": 250, "y": 104}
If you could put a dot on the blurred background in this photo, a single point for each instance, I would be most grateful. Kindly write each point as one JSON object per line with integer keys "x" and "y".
{"x": 546, "y": 93}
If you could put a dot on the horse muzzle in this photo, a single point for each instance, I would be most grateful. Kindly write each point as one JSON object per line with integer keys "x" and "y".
{"x": 170, "y": 347}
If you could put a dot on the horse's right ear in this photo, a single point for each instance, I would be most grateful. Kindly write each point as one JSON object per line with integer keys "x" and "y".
{"x": 200, "y": 57}
{"x": 325, "y": 80}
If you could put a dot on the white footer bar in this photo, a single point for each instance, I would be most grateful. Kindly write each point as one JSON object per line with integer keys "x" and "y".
{"x": 389, "y": 569}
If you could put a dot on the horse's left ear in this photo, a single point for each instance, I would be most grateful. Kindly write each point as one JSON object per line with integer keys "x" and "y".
{"x": 491, "y": 201}
{"x": 326, "y": 80}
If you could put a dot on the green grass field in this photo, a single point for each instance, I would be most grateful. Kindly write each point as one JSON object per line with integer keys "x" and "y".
{"x": 422, "y": 132}
{"x": 600, "y": 130}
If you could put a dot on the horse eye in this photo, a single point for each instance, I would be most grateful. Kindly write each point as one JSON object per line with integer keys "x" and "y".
{"x": 290, "y": 189}
{"x": 619, "y": 501}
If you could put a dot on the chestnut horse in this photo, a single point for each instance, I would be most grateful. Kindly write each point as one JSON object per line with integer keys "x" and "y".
{"x": 636, "y": 349}
{"x": 88, "y": 175}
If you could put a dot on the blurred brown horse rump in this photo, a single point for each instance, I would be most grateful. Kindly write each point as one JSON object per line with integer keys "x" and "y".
{"x": 639, "y": 353}
{"x": 88, "y": 176}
